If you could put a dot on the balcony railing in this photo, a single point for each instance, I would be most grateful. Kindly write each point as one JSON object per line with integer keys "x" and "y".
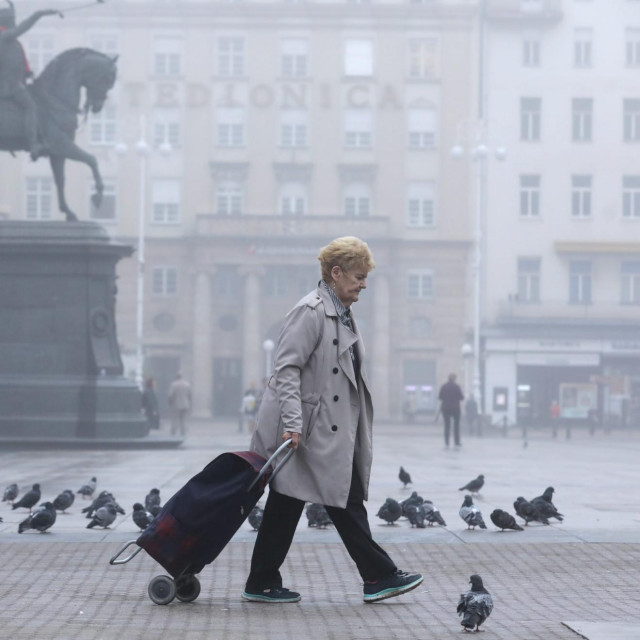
{"x": 272, "y": 226}
{"x": 613, "y": 311}
{"x": 524, "y": 10}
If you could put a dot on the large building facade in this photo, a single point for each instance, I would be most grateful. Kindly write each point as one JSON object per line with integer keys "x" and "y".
{"x": 562, "y": 278}
{"x": 271, "y": 128}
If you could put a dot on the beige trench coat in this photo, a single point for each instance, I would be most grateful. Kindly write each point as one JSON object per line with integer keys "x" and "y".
{"x": 314, "y": 392}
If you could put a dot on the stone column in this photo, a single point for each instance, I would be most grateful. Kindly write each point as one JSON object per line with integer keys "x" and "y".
{"x": 252, "y": 356}
{"x": 380, "y": 361}
{"x": 202, "y": 343}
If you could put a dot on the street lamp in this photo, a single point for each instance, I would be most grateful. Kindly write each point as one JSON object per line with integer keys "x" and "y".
{"x": 268, "y": 346}
{"x": 143, "y": 150}
{"x": 467, "y": 353}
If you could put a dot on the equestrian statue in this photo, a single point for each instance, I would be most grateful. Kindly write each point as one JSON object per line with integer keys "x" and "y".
{"x": 40, "y": 115}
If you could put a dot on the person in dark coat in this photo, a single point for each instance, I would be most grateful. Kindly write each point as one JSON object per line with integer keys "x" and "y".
{"x": 450, "y": 397}
{"x": 150, "y": 404}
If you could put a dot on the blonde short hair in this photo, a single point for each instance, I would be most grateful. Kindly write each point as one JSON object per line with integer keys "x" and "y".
{"x": 347, "y": 253}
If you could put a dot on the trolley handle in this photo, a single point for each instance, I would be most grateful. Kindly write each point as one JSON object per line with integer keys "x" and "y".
{"x": 267, "y": 464}
{"x": 132, "y": 555}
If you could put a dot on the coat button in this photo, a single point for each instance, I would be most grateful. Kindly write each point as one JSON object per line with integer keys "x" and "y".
{"x": 335, "y": 369}
{"x": 335, "y": 341}
{"x": 336, "y": 398}
{"x": 334, "y": 427}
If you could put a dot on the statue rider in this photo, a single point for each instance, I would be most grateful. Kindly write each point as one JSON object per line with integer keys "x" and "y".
{"x": 14, "y": 70}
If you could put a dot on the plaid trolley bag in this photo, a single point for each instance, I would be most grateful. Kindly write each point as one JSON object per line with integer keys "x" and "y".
{"x": 198, "y": 521}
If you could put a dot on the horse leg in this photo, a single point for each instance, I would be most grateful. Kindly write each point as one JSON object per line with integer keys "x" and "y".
{"x": 74, "y": 152}
{"x": 57, "y": 167}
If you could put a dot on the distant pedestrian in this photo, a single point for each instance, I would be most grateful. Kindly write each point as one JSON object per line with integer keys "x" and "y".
{"x": 554, "y": 415}
{"x": 247, "y": 410}
{"x": 150, "y": 404}
{"x": 471, "y": 415}
{"x": 450, "y": 397}
{"x": 410, "y": 407}
{"x": 179, "y": 398}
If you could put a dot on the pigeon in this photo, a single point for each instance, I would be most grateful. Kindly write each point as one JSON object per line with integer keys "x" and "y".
{"x": 413, "y": 499}
{"x": 390, "y": 511}
{"x": 405, "y": 478}
{"x": 416, "y": 515}
{"x": 10, "y": 493}
{"x": 504, "y": 520}
{"x": 64, "y": 500}
{"x": 528, "y": 512}
{"x": 475, "y": 605}
{"x": 104, "y": 516}
{"x": 86, "y": 490}
{"x": 474, "y": 486}
{"x": 40, "y": 519}
{"x": 255, "y": 517}
{"x": 28, "y": 499}
{"x": 101, "y": 500}
{"x": 432, "y": 515}
{"x": 152, "y": 502}
{"x": 545, "y": 506}
{"x": 141, "y": 517}
{"x": 317, "y": 516}
{"x": 471, "y": 514}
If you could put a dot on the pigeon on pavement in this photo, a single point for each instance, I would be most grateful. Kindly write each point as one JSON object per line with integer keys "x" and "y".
{"x": 104, "y": 516}
{"x": 317, "y": 516}
{"x": 545, "y": 506}
{"x": 432, "y": 515}
{"x": 28, "y": 499}
{"x": 416, "y": 515}
{"x": 40, "y": 519}
{"x": 390, "y": 511}
{"x": 101, "y": 500}
{"x": 504, "y": 520}
{"x": 141, "y": 517}
{"x": 475, "y": 605}
{"x": 255, "y": 517}
{"x": 474, "y": 485}
{"x": 10, "y": 493}
{"x": 152, "y": 502}
{"x": 413, "y": 499}
{"x": 528, "y": 512}
{"x": 86, "y": 490}
{"x": 405, "y": 478}
{"x": 471, "y": 514}
{"x": 64, "y": 500}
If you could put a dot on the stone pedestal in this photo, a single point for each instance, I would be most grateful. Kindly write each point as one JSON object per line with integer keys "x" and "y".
{"x": 60, "y": 366}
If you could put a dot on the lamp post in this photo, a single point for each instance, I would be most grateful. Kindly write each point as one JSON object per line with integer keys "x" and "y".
{"x": 143, "y": 150}
{"x": 268, "y": 346}
{"x": 467, "y": 353}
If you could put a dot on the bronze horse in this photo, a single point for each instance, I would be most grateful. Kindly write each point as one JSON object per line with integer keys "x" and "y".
{"x": 57, "y": 92}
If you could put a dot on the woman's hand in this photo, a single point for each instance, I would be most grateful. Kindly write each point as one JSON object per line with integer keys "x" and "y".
{"x": 294, "y": 436}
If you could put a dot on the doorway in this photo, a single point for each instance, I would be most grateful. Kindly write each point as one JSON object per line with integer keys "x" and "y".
{"x": 227, "y": 387}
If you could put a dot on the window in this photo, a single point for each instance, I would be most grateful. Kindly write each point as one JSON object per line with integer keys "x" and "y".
{"x": 166, "y": 127}
{"x": 230, "y": 127}
{"x": 358, "y": 58}
{"x": 229, "y": 197}
{"x": 357, "y": 200}
{"x": 422, "y": 128}
{"x": 582, "y": 47}
{"x": 164, "y": 281}
{"x": 293, "y": 128}
{"x": 580, "y": 282}
{"x": 632, "y": 47}
{"x": 294, "y": 58}
{"x": 581, "y": 196}
{"x": 422, "y": 57}
{"x": 167, "y": 56}
{"x": 530, "y": 117}
{"x": 631, "y": 197}
{"x": 292, "y": 199}
{"x": 529, "y": 196}
{"x": 227, "y": 282}
{"x": 529, "y": 280}
{"x": 420, "y": 284}
{"x": 632, "y": 119}
{"x": 420, "y": 205}
{"x": 39, "y": 202}
{"x": 358, "y": 124}
{"x": 276, "y": 282}
{"x": 165, "y": 199}
{"x": 40, "y": 51}
{"x": 581, "y": 119}
{"x": 106, "y": 43}
{"x": 531, "y": 52}
{"x": 102, "y": 125}
{"x": 106, "y": 212}
{"x": 231, "y": 56}
{"x": 630, "y": 282}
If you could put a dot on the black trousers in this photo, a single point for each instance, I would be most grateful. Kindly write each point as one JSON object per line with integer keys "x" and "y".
{"x": 280, "y": 518}
{"x": 447, "y": 427}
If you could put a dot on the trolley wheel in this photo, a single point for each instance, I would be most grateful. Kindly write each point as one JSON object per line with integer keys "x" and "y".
{"x": 187, "y": 588}
{"x": 162, "y": 590}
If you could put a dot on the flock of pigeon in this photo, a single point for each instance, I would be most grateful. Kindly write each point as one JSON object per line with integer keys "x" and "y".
{"x": 102, "y": 511}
